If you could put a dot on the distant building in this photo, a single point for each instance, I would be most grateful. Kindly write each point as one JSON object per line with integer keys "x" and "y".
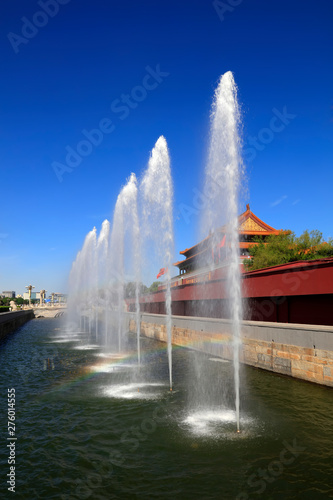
{"x": 10, "y": 294}
{"x": 60, "y": 298}
{"x": 34, "y": 296}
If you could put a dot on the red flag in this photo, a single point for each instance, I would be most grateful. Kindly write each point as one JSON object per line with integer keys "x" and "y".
{"x": 216, "y": 251}
{"x": 222, "y": 242}
{"x": 161, "y": 272}
{"x": 221, "y": 245}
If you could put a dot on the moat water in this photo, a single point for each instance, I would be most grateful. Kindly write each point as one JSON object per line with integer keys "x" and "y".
{"x": 90, "y": 425}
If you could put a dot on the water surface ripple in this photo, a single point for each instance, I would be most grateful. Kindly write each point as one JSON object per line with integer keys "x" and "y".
{"x": 78, "y": 438}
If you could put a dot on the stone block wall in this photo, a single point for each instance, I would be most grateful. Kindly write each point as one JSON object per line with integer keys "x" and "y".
{"x": 263, "y": 344}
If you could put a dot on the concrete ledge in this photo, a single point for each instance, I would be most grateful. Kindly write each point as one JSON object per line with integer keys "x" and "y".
{"x": 49, "y": 312}
{"x": 301, "y": 351}
{"x": 10, "y": 321}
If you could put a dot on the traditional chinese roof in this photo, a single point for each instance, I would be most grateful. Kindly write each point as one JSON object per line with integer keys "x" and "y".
{"x": 249, "y": 224}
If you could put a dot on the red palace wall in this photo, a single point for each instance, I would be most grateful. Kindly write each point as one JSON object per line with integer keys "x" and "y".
{"x": 300, "y": 292}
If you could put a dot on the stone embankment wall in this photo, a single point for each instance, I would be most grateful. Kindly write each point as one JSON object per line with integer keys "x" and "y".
{"x": 300, "y": 351}
{"x": 10, "y": 321}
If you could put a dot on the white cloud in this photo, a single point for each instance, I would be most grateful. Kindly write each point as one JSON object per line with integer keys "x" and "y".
{"x": 280, "y": 200}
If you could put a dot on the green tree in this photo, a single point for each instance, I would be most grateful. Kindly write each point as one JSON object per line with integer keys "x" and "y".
{"x": 287, "y": 247}
{"x": 130, "y": 287}
{"x": 153, "y": 287}
{"x": 4, "y": 301}
{"x": 129, "y": 290}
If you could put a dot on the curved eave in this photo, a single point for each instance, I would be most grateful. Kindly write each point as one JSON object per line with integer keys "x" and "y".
{"x": 260, "y": 233}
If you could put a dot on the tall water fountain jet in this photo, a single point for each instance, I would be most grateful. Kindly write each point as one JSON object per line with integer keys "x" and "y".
{"x": 75, "y": 322}
{"x": 124, "y": 258}
{"x": 117, "y": 276}
{"x": 157, "y": 192}
{"x": 103, "y": 274}
{"x": 82, "y": 286}
{"x": 222, "y": 181}
{"x": 129, "y": 198}
{"x": 88, "y": 257}
{"x": 137, "y": 262}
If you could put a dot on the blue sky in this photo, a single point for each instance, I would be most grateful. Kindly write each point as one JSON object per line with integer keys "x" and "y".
{"x": 65, "y": 76}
